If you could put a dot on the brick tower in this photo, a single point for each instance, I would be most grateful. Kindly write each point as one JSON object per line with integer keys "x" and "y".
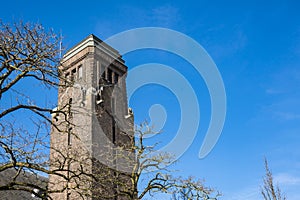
{"x": 95, "y": 119}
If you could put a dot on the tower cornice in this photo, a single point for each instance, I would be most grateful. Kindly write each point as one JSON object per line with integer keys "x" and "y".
{"x": 93, "y": 41}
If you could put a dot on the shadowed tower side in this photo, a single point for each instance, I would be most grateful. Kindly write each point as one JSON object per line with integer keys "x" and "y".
{"x": 97, "y": 121}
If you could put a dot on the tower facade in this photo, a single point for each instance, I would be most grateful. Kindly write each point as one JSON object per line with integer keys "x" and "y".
{"x": 91, "y": 121}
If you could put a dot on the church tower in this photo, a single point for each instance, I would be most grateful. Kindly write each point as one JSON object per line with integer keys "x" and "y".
{"x": 94, "y": 120}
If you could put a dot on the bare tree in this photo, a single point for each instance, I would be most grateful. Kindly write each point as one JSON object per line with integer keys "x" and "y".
{"x": 149, "y": 173}
{"x": 29, "y": 55}
{"x": 269, "y": 191}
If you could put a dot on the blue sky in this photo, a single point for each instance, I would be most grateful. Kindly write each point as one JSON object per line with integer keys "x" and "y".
{"x": 256, "y": 47}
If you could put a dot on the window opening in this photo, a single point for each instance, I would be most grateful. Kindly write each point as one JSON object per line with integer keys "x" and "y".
{"x": 80, "y": 71}
{"x": 109, "y": 75}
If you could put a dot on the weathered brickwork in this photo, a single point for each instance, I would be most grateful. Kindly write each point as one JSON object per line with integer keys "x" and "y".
{"x": 95, "y": 103}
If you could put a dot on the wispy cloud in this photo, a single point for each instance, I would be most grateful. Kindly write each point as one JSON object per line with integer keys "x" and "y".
{"x": 282, "y": 110}
{"x": 250, "y": 193}
{"x": 289, "y": 184}
{"x": 286, "y": 179}
{"x": 286, "y": 80}
{"x": 286, "y": 116}
{"x": 273, "y": 91}
{"x": 282, "y": 88}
